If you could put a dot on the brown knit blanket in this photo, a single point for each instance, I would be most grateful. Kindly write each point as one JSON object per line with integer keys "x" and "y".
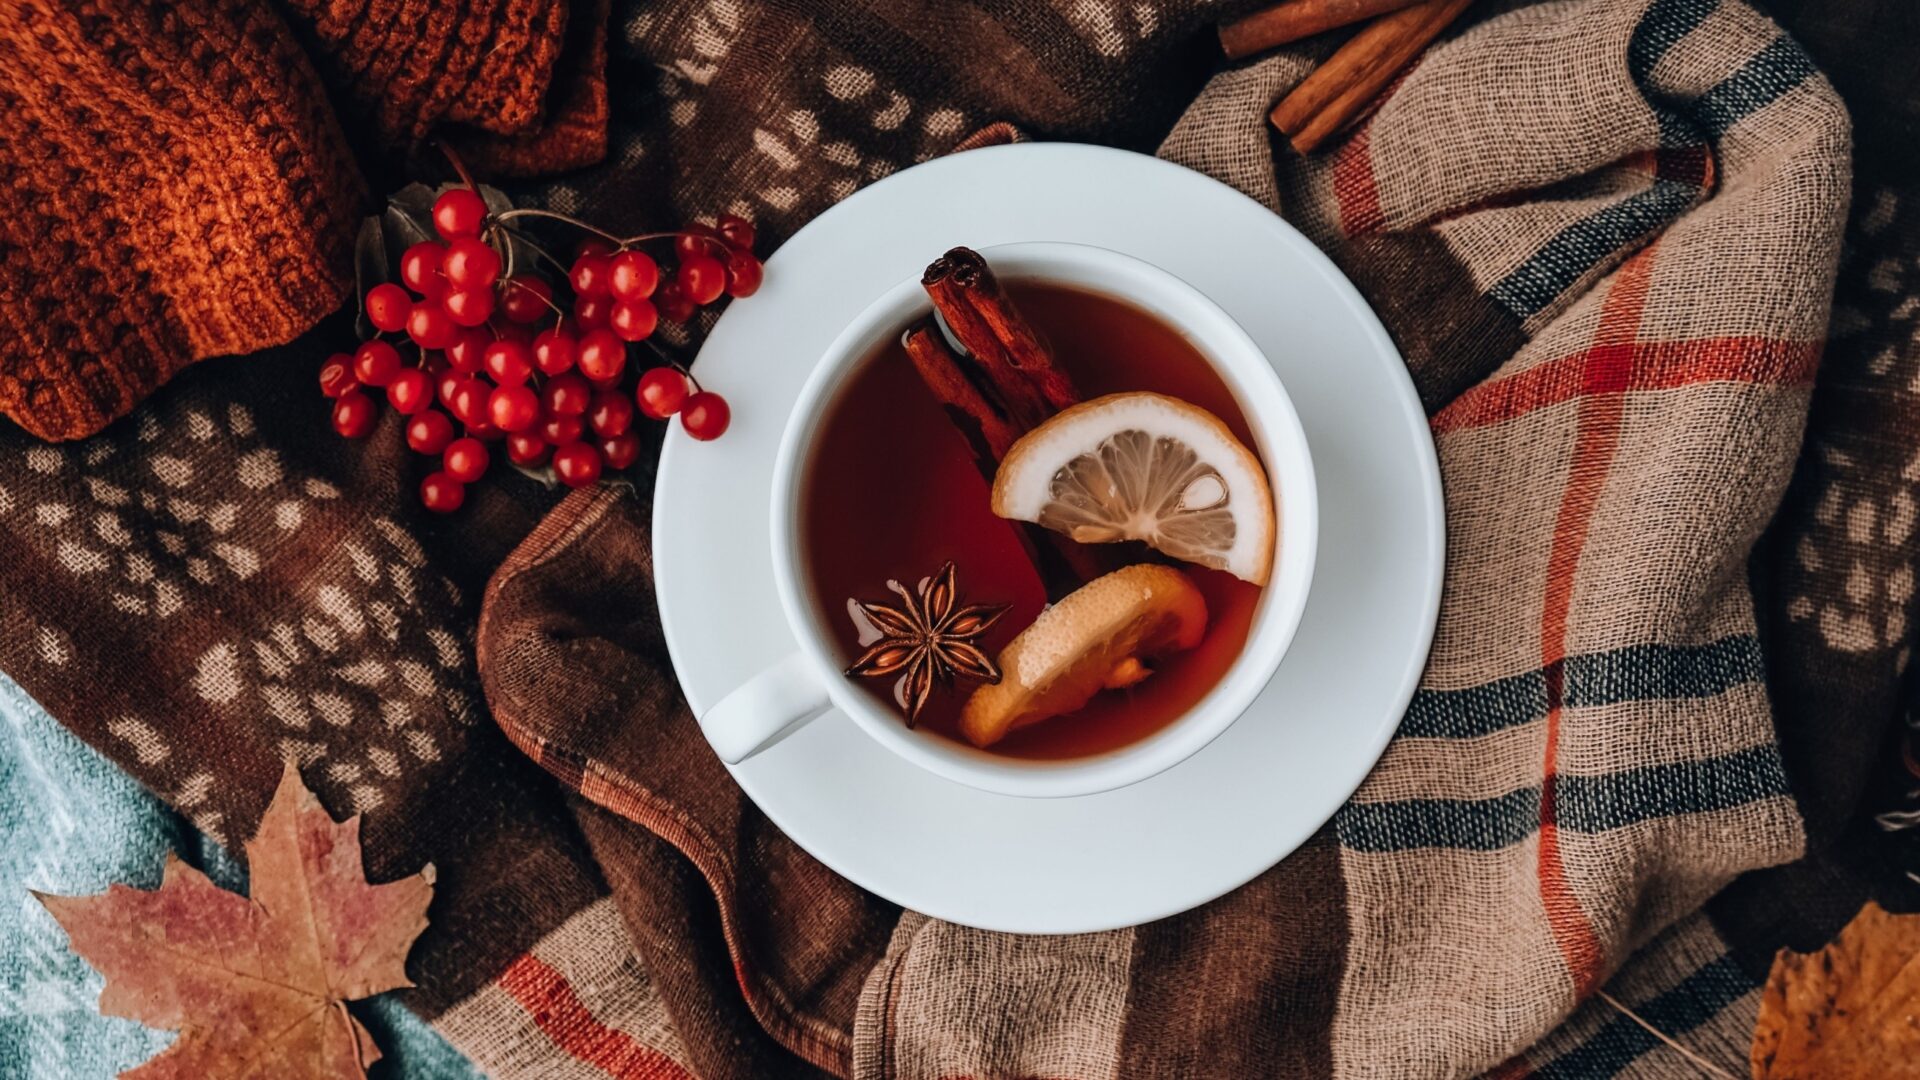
{"x": 1604, "y": 233}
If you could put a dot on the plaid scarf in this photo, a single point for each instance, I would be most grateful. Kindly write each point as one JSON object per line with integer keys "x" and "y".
{"x": 1604, "y": 234}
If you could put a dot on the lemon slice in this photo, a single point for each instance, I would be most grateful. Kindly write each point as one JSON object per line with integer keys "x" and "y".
{"x": 1143, "y": 466}
{"x": 1097, "y": 637}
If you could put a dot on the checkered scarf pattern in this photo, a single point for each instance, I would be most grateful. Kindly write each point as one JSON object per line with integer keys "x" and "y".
{"x": 1604, "y": 234}
{"x": 1591, "y": 754}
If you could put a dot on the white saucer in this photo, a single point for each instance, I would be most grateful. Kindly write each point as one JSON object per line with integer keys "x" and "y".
{"x": 1257, "y": 792}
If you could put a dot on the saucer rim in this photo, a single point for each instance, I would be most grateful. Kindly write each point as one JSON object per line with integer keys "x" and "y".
{"x": 1112, "y": 167}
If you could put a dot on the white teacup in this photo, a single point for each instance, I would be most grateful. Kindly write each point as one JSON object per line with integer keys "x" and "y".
{"x": 810, "y": 681}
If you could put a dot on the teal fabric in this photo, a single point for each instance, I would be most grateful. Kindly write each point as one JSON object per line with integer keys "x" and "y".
{"x": 73, "y": 823}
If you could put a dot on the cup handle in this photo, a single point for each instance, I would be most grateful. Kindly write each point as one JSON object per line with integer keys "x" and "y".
{"x": 777, "y": 698}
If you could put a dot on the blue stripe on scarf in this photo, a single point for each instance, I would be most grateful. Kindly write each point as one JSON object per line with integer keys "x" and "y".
{"x": 1760, "y": 82}
{"x": 1570, "y": 254}
{"x": 1618, "y": 1043}
{"x": 1662, "y": 27}
{"x": 1634, "y": 673}
{"x": 1581, "y": 246}
{"x": 1586, "y": 804}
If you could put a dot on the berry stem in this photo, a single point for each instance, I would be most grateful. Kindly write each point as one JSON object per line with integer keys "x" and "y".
{"x": 675, "y": 363}
{"x": 492, "y": 236}
{"x": 460, "y": 167}
{"x": 521, "y": 235}
{"x": 719, "y": 245}
{"x": 529, "y": 211}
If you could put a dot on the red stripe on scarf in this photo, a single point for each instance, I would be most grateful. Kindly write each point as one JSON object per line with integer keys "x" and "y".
{"x": 557, "y": 1010}
{"x": 1606, "y": 372}
{"x": 1355, "y": 192}
{"x": 1655, "y": 365}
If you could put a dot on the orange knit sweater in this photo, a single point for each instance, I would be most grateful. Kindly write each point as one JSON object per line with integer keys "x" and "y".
{"x": 176, "y": 185}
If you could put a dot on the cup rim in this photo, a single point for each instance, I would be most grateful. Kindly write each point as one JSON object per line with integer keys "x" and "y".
{"x": 1281, "y": 445}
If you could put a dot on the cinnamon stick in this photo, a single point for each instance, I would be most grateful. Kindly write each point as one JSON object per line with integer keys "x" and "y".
{"x": 969, "y": 297}
{"x": 1291, "y": 20}
{"x": 1063, "y": 564}
{"x": 981, "y": 422}
{"x": 1005, "y": 386}
{"x": 1340, "y": 90}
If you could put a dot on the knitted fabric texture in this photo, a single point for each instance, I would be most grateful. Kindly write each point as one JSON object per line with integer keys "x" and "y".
{"x": 178, "y": 186}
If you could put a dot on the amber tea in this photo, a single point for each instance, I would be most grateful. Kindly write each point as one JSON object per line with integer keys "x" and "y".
{"x": 898, "y": 488}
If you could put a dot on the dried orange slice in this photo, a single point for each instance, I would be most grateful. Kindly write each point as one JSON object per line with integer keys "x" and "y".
{"x": 1143, "y": 466}
{"x": 1099, "y": 636}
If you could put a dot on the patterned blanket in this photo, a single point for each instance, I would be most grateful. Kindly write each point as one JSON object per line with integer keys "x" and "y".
{"x": 1604, "y": 233}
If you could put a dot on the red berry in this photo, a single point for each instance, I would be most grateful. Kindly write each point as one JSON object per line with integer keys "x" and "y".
{"x": 526, "y": 448}
{"x": 620, "y": 451}
{"x": 509, "y": 362}
{"x": 589, "y": 276}
{"x": 387, "y": 306}
{"x": 429, "y": 432}
{"x": 441, "y": 493}
{"x": 633, "y": 320}
{"x": 471, "y": 263}
{"x": 485, "y": 432}
{"x": 465, "y": 459}
{"x": 702, "y": 279}
{"x": 525, "y": 299}
{"x": 602, "y": 355}
{"x": 430, "y": 326}
{"x": 633, "y": 275}
{"x": 566, "y": 395}
{"x": 737, "y": 232}
{"x": 445, "y": 385}
{"x": 673, "y": 303}
{"x": 590, "y": 312}
{"x": 410, "y": 391}
{"x": 561, "y": 430}
{"x": 553, "y": 351}
{"x": 336, "y": 375}
{"x": 705, "y": 416}
{"x": 743, "y": 274}
{"x": 593, "y": 245}
{"x": 469, "y": 345}
{"x": 698, "y": 240}
{"x": 610, "y": 412}
{"x": 375, "y": 363}
{"x": 576, "y": 464}
{"x": 468, "y": 307}
{"x": 513, "y": 408}
{"x": 662, "y": 391}
{"x": 458, "y": 213}
{"x": 469, "y": 402}
{"x": 353, "y": 414}
{"x": 420, "y": 268}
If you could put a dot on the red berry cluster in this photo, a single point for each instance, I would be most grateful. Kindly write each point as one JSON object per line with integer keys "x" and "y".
{"x": 497, "y": 359}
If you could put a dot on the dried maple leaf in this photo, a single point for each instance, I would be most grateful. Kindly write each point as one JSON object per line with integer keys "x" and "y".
{"x": 1850, "y": 1010}
{"x": 257, "y": 988}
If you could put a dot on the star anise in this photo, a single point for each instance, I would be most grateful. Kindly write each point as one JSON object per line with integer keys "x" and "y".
{"x": 927, "y": 639}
